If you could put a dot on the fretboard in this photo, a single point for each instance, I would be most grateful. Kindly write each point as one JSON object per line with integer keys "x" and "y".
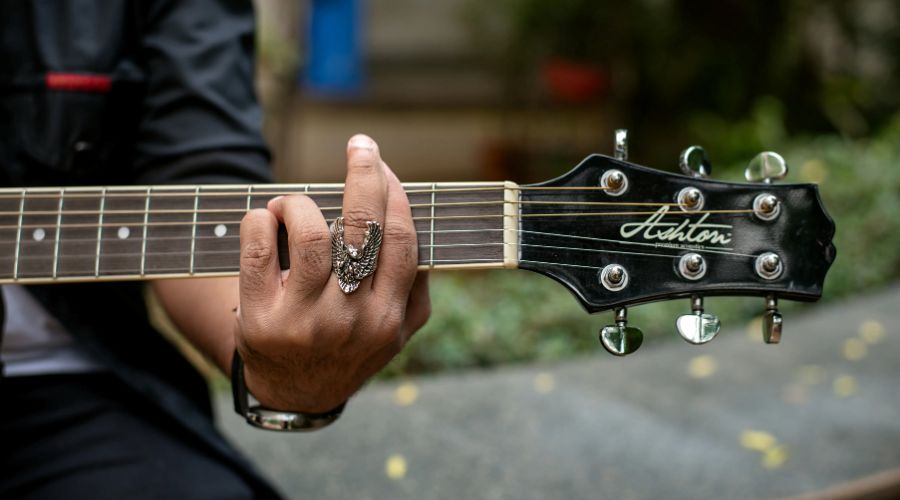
{"x": 155, "y": 232}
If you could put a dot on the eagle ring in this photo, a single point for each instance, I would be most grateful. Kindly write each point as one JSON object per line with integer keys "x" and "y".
{"x": 352, "y": 264}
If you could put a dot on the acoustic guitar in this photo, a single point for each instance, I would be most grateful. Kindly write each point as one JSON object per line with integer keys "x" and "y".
{"x": 614, "y": 233}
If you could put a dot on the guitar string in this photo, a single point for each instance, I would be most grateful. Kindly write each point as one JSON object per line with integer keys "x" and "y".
{"x": 116, "y": 240}
{"x": 241, "y": 192}
{"x": 448, "y": 246}
{"x": 202, "y": 253}
{"x": 234, "y": 272}
{"x": 461, "y": 204}
{"x": 443, "y": 217}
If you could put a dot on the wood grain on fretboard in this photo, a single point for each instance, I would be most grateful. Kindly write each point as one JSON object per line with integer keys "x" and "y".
{"x": 140, "y": 232}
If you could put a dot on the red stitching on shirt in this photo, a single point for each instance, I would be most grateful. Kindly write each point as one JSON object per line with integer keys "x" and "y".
{"x": 78, "y": 82}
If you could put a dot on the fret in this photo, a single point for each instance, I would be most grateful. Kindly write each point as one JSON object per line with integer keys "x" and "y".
{"x": 249, "y": 196}
{"x": 144, "y": 240}
{"x": 171, "y": 230}
{"x": 99, "y": 232}
{"x": 194, "y": 228}
{"x": 335, "y": 198}
{"x": 478, "y": 238}
{"x": 38, "y": 238}
{"x": 11, "y": 207}
{"x": 218, "y": 227}
{"x": 76, "y": 254}
{"x": 59, "y": 211}
{"x": 121, "y": 243}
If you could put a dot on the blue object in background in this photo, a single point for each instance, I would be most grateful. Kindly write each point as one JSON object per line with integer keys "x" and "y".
{"x": 335, "y": 53}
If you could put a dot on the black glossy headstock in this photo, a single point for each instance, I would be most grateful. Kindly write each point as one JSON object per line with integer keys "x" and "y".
{"x": 575, "y": 226}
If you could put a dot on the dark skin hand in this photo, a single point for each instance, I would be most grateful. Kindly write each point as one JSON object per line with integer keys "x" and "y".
{"x": 306, "y": 345}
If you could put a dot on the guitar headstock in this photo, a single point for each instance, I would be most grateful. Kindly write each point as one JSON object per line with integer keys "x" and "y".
{"x": 617, "y": 234}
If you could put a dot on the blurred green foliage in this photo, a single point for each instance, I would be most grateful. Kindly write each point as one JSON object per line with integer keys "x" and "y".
{"x": 832, "y": 63}
{"x": 482, "y": 319}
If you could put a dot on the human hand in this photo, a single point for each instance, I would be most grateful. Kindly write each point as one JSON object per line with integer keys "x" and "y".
{"x": 306, "y": 345}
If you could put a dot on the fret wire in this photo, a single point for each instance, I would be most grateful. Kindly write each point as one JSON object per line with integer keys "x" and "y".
{"x": 19, "y": 235}
{"x": 431, "y": 253}
{"x": 194, "y": 227}
{"x": 62, "y": 196}
{"x": 249, "y": 196}
{"x": 100, "y": 232}
{"x": 146, "y": 221}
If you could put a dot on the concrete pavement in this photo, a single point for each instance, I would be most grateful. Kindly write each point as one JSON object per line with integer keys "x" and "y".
{"x": 732, "y": 419}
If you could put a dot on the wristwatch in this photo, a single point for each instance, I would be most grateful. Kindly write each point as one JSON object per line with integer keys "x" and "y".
{"x": 274, "y": 420}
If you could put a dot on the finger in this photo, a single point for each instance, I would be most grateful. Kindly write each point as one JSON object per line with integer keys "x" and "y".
{"x": 309, "y": 241}
{"x": 399, "y": 252}
{"x": 365, "y": 190}
{"x": 260, "y": 276}
{"x": 418, "y": 308}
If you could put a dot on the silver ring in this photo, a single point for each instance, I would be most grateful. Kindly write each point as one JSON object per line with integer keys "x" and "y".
{"x": 352, "y": 264}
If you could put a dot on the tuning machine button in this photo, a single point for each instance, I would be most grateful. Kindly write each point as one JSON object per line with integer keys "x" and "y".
{"x": 614, "y": 182}
{"x": 620, "y": 150}
{"x": 772, "y": 321}
{"x": 694, "y": 162}
{"x": 698, "y": 327}
{"x": 766, "y": 167}
{"x": 620, "y": 339}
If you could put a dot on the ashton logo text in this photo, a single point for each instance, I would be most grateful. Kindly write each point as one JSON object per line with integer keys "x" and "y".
{"x": 654, "y": 229}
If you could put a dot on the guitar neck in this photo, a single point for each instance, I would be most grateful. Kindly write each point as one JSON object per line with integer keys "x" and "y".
{"x": 70, "y": 234}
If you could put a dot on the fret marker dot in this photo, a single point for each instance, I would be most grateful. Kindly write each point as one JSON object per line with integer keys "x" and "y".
{"x": 123, "y": 233}
{"x": 220, "y": 230}
{"x": 39, "y": 234}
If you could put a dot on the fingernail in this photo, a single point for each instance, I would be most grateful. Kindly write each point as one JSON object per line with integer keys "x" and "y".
{"x": 361, "y": 141}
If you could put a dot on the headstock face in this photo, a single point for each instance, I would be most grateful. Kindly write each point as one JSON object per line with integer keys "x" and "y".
{"x": 575, "y": 230}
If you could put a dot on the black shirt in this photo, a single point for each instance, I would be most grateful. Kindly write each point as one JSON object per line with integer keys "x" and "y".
{"x": 105, "y": 92}
{"x": 180, "y": 105}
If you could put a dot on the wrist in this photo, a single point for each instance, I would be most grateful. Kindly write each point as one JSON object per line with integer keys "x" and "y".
{"x": 273, "y": 419}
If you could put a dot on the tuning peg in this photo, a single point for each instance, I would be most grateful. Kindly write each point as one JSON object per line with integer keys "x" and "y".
{"x": 766, "y": 167}
{"x": 697, "y": 327}
{"x": 694, "y": 162}
{"x": 620, "y": 339}
{"x": 772, "y": 321}
{"x": 620, "y": 151}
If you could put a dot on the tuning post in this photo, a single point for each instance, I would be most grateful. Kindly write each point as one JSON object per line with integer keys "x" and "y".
{"x": 692, "y": 266}
{"x": 766, "y": 167}
{"x": 614, "y": 182}
{"x": 766, "y": 207}
{"x": 690, "y": 199}
{"x": 698, "y": 327}
{"x": 772, "y": 321}
{"x": 769, "y": 266}
{"x": 620, "y": 339}
{"x": 694, "y": 162}
{"x": 614, "y": 277}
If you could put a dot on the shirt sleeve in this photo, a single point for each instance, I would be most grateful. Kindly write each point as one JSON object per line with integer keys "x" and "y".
{"x": 201, "y": 121}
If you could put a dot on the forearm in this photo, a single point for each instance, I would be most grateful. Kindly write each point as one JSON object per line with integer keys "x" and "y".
{"x": 204, "y": 312}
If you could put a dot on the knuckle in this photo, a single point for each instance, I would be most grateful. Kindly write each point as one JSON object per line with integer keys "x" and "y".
{"x": 312, "y": 246}
{"x": 357, "y": 217}
{"x": 257, "y": 255}
{"x": 401, "y": 233}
